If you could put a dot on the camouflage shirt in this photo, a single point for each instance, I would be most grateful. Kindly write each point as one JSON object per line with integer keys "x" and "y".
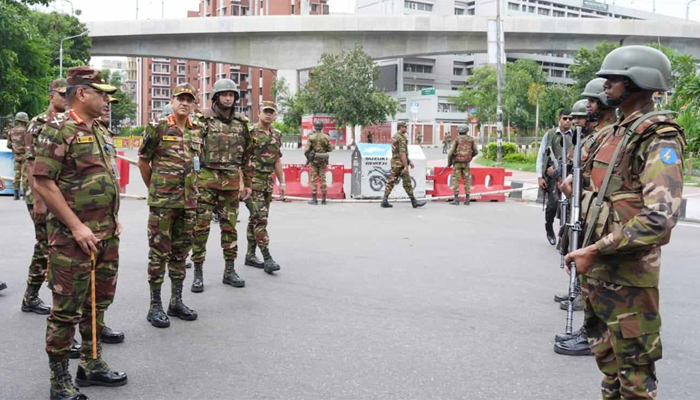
{"x": 15, "y": 141}
{"x": 642, "y": 201}
{"x": 77, "y": 158}
{"x": 30, "y": 143}
{"x": 320, "y": 144}
{"x": 399, "y": 146}
{"x": 226, "y": 150}
{"x": 266, "y": 150}
{"x": 172, "y": 153}
{"x": 463, "y": 149}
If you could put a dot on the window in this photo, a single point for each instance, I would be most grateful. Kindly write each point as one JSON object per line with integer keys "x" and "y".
{"x": 158, "y": 68}
{"x": 158, "y": 80}
{"x": 514, "y": 7}
{"x": 181, "y": 80}
{"x": 314, "y": 8}
{"x": 181, "y": 69}
{"x": 407, "y": 87}
{"x": 160, "y": 93}
{"x": 419, "y": 68}
{"x": 446, "y": 107}
{"x": 471, "y": 11}
{"x": 542, "y": 11}
{"x": 457, "y": 71}
{"x": 559, "y": 13}
{"x": 530, "y": 9}
{"x": 414, "y": 5}
{"x": 459, "y": 11}
{"x": 158, "y": 105}
{"x": 557, "y": 73}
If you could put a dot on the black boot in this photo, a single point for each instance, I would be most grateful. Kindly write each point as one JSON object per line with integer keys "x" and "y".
{"x": 62, "y": 387}
{"x": 551, "y": 237}
{"x": 75, "y": 350}
{"x": 418, "y": 203}
{"x": 455, "y": 201}
{"x": 95, "y": 371}
{"x": 467, "y": 201}
{"x": 314, "y": 200}
{"x": 323, "y": 199}
{"x": 577, "y": 346}
{"x": 563, "y": 337}
{"x": 198, "y": 281}
{"x": 270, "y": 264}
{"x": 558, "y": 298}
{"x": 385, "y": 202}
{"x": 188, "y": 264}
{"x": 32, "y": 303}
{"x": 177, "y": 308}
{"x": 111, "y": 336}
{"x": 578, "y": 304}
{"x": 156, "y": 316}
{"x": 3, "y": 286}
{"x": 252, "y": 261}
{"x": 231, "y": 277}
{"x": 16, "y": 194}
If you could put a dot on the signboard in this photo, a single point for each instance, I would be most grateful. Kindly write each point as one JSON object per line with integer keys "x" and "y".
{"x": 307, "y": 128}
{"x": 7, "y": 165}
{"x": 414, "y": 108}
{"x": 371, "y": 165}
{"x": 427, "y": 91}
{"x": 594, "y": 5}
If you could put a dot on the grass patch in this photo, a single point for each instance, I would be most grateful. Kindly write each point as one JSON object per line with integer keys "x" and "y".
{"x": 528, "y": 167}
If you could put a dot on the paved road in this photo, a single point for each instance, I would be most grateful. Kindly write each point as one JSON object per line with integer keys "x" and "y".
{"x": 436, "y": 303}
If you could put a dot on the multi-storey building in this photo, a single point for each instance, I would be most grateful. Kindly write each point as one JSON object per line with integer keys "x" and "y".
{"x": 158, "y": 76}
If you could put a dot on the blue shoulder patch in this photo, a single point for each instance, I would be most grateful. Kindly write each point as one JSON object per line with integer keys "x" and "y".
{"x": 669, "y": 156}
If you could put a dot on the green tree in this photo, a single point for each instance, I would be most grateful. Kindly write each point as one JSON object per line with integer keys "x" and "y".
{"x": 587, "y": 63}
{"x": 125, "y": 108}
{"x": 480, "y": 93}
{"x": 555, "y": 98}
{"x": 55, "y": 26}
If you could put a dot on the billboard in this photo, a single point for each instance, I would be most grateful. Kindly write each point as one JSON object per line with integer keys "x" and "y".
{"x": 337, "y": 136}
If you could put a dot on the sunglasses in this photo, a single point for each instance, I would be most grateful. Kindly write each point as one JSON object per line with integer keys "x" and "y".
{"x": 566, "y": 118}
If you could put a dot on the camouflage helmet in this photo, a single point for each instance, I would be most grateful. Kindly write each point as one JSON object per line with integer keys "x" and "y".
{"x": 225, "y": 85}
{"x": 22, "y": 116}
{"x": 594, "y": 89}
{"x": 647, "y": 67}
{"x": 462, "y": 129}
{"x": 579, "y": 109}
{"x": 318, "y": 125}
{"x": 167, "y": 110}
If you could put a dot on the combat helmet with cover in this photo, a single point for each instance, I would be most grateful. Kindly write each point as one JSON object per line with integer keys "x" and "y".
{"x": 225, "y": 85}
{"x": 646, "y": 67}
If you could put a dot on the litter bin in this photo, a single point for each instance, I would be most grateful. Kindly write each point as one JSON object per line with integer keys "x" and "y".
{"x": 371, "y": 165}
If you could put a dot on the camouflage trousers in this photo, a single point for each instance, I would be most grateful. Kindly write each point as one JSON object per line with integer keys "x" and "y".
{"x": 623, "y": 324}
{"x": 394, "y": 175}
{"x": 28, "y": 193}
{"x": 19, "y": 169}
{"x": 318, "y": 172}
{"x": 226, "y": 203}
{"x": 259, "y": 206}
{"x": 461, "y": 170}
{"x": 37, "y": 268}
{"x": 69, "y": 279}
{"x": 170, "y": 233}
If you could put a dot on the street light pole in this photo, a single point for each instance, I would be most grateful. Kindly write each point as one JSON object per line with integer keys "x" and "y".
{"x": 687, "y": 9}
{"x": 60, "y": 52}
{"x": 499, "y": 88}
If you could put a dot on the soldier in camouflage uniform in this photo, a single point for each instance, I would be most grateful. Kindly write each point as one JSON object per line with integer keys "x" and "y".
{"x": 320, "y": 144}
{"x": 15, "y": 142}
{"x": 638, "y": 168}
{"x": 169, "y": 159}
{"x": 266, "y": 155}
{"x": 74, "y": 176}
{"x": 460, "y": 155}
{"x": 399, "y": 167}
{"x": 226, "y": 135}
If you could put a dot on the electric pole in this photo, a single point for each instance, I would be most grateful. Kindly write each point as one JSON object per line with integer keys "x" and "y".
{"x": 499, "y": 86}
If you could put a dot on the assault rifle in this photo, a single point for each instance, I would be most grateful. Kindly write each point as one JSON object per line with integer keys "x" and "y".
{"x": 563, "y": 202}
{"x": 575, "y": 228}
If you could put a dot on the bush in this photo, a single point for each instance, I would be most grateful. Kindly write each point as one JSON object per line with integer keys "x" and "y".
{"x": 508, "y": 148}
{"x": 133, "y": 131}
{"x": 518, "y": 158}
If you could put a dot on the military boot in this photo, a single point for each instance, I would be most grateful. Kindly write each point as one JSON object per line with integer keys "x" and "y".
{"x": 111, "y": 336}
{"x": 74, "y": 350}
{"x": 385, "y": 202}
{"x": 563, "y": 337}
{"x": 96, "y": 372}
{"x": 467, "y": 202}
{"x": 32, "y": 303}
{"x": 323, "y": 199}
{"x": 314, "y": 200}
{"x": 455, "y": 201}
{"x": 578, "y": 304}
{"x": 418, "y": 203}
{"x": 270, "y": 264}
{"x": 156, "y": 316}
{"x": 551, "y": 237}
{"x": 252, "y": 260}
{"x": 578, "y": 346}
{"x": 198, "y": 281}
{"x": 177, "y": 308}
{"x": 188, "y": 264}
{"x": 231, "y": 277}
{"x": 558, "y": 298}
{"x": 16, "y": 194}
{"x": 62, "y": 387}
{"x": 3, "y": 286}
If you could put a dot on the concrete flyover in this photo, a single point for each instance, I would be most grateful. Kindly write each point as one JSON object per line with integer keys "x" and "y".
{"x": 297, "y": 42}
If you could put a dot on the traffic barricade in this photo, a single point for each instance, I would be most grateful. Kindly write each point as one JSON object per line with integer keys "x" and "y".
{"x": 297, "y": 178}
{"x": 123, "y": 168}
{"x": 483, "y": 179}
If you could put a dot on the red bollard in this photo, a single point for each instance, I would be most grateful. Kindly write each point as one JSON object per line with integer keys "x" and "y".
{"x": 123, "y": 168}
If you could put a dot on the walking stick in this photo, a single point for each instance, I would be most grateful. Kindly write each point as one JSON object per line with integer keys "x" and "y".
{"x": 94, "y": 307}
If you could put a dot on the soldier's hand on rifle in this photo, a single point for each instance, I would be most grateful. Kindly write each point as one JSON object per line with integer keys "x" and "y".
{"x": 542, "y": 183}
{"x": 550, "y": 171}
{"x": 583, "y": 258}
{"x": 566, "y": 187}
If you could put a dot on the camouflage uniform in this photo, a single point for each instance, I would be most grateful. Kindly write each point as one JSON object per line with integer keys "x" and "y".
{"x": 461, "y": 154}
{"x": 77, "y": 158}
{"x": 266, "y": 150}
{"x": 399, "y": 146}
{"x": 621, "y": 289}
{"x": 15, "y": 142}
{"x": 320, "y": 144}
{"x": 172, "y": 197}
{"x": 226, "y": 156}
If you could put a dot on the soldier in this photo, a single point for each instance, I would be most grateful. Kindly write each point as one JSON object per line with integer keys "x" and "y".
{"x": 74, "y": 177}
{"x": 15, "y": 142}
{"x": 446, "y": 142}
{"x": 598, "y": 108}
{"x": 169, "y": 163}
{"x": 266, "y": 156}
{"x": 226, "y": 135}
{"x": 461, "y": 154}
{"x": 370, "y": 137}
{"x": 319, "y": 145}
{"x": 419, "y": 137}
{"x": 399, "y": 167}
{"x": 548, "y": 156}
{"x": 637, "y": 176}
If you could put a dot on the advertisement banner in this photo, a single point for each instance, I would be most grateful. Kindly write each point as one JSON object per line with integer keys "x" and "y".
{"x": 7, "y": 166}
{"x": 371, "y": 166}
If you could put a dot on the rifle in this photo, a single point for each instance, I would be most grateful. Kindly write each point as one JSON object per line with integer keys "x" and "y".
{"x": 563, "y": 204}
{"x": 309, "y": 158}
{"x": 576, "y": 227}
